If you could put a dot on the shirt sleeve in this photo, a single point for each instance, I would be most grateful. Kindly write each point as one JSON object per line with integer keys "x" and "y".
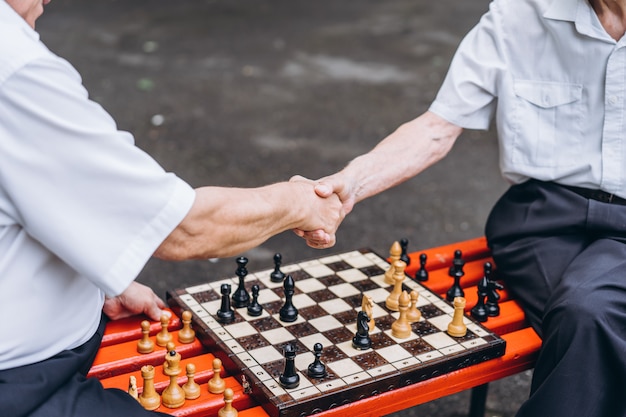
{"x": 467, "y": 95}
{"x": 76, "y": 183}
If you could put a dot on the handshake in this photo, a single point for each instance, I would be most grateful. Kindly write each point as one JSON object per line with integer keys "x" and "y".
{"x": 325, "y": 207}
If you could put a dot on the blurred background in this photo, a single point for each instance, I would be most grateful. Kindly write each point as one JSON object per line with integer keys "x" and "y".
{"x": 246, "y": 93}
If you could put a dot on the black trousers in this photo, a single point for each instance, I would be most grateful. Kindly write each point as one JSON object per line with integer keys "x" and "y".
{"x": 564, "y": 257}
{"x": 58, "y": 387}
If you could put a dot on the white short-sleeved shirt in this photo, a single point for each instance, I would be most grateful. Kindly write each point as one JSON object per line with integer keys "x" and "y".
{"x": 555, "y": 82}
{"x": 82, "y": 208}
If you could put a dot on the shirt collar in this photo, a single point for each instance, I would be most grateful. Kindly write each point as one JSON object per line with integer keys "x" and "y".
{"x": 581, "y": 14}
{"x": 8, "y": 16}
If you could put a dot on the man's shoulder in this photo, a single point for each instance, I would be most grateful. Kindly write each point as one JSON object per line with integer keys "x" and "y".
{"x": 22, "y": 46}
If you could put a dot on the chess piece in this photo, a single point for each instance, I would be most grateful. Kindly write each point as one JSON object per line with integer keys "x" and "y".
{"x": 241, "y": 298}
{"x": 149, "y": 398}
{"x": 492, "y": 306}
{"x": 225, "y": 314}
{"x": 361, "y": 339}
{"x": 247, "y": 388}
{"x": 289, "y": 378}
{"x": 317, "y": 369}
{"x": 456, "y": 272}
{"x": 254, "y": 308}
{"x": 422, "y": 274}
{"x": 398, "y": 275}
{"x": 171, "y": 347}
{"x": 413, "y": 315}
{"x": 479, "y": 312}
{"x": 401, "y": 328}
{"x": 394, "y": 255}
{"x": 145, "y": 345}
{"x": 228, "y": 410}
{"x": 164, "y": 335}
{"x": 173, "y": 396}
{"x": 191, "y": 387}
{"x": 216, "y": 383}
{"x": 288, "y": 312}
{"x": 404, "y": 256}
{"x": 367, "y": 305}
{"x": 186, "y": 334}
{"x": 277, "y": 275}
{"x": 457, "y": 328}
{"x": 132, "y": 387}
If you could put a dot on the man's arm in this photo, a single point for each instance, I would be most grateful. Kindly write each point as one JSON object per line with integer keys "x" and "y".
{"x": 227, "y": 221}
{"x": 406, "y": 152}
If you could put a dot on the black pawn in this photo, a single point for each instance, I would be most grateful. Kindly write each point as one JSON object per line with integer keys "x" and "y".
{"x": 241, "y": 298}
{"x": 288, "y": 312}
{"x": 289, "y": 378}
{"x": 456, "y": 272}
{"x": 277, "y": 275}
{"x": 361, "y": 339}
{"x": 404, "y": 256}
{"x": 317, "y": 369}
{"x": 422, "y": 274}
{"x": 492, "y": 306}
{"x": 254, "y": 308}
{"x": 225, "y": 314}
{"x": 479, "y": 312}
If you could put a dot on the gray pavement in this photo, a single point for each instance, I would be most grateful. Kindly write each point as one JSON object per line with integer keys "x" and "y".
{"x": 245, "y": 93}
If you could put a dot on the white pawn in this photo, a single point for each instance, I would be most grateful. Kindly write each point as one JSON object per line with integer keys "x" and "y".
{"x": 413, "y": 315}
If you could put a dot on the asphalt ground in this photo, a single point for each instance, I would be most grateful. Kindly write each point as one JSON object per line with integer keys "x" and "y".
{"x": 246, "y": 93}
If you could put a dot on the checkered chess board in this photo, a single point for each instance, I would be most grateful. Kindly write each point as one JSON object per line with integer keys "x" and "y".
{"x": 328, "y": 296}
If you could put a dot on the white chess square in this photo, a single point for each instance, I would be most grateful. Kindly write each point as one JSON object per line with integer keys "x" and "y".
{"x": 335, "y": 306}
{"x": 345, "y": 367}
{"x": 266, "y": 354}
{"x": 325, "y": 323}
{"x": 240, "y": 329}
{"x": 310, "y": 341}
{"x": 309, "y": 285}
{"x": 351, "y": 275}
{"x": 277, "y": 335}
{"x": 344, "y": 290}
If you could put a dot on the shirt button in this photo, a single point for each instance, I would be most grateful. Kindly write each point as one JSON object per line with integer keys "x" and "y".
{"x": 613, "y": 100}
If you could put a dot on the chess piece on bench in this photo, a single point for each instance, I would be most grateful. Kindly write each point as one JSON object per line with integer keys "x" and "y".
{"x": 216, "y": 383}
{"x": 191, "y": 387}
{"x": 228, "y": 410}
{"x": 164, "y": 335}
{"x": 457, "y": 328}
{"x": 173, "y": 396}
{"x": 132, "y": 387}
{"x": 422, "y": 273}
{"x": 149, "y": 398}
{"x": 145, "y": 344}
{"x": 186, "y": 334}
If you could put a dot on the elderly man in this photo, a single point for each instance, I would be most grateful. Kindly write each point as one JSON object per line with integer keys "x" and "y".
{"x": 552, "y": 73}
{"x": 81, "y": 211}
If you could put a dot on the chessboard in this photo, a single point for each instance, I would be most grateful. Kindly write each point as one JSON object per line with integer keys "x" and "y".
{"x": 328, "y": 295}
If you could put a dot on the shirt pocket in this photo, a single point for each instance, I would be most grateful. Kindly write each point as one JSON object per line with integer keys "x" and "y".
{"x": 547, "y": 127}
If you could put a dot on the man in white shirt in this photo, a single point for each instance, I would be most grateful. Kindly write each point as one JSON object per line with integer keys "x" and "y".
{"x": 552, "y": 73}
{"x": 81, "y": 211}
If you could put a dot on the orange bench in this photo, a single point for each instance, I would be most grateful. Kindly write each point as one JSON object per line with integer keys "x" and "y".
{"x": 118, "y": 359}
